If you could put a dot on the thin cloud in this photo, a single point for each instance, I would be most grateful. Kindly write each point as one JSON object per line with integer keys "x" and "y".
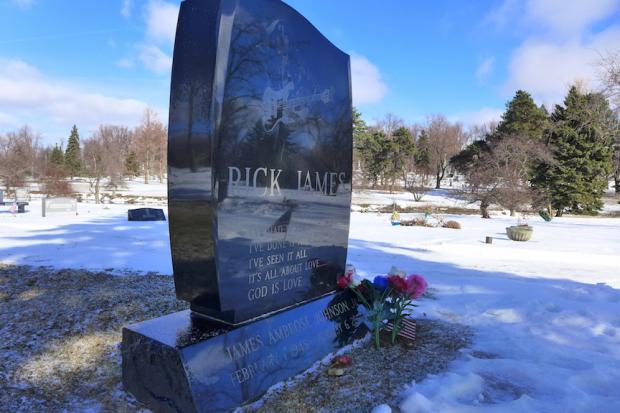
{"x": 569, "y": 18}
{"x": 8, "y": 121}
{"x": 485, "y": 69}
{"x": 161, "y": 21}
{"x": 367, "y": 82}
{"x": 155, "y": 51}
{"x": 126, "y": 63}
{"x": 155, "y": 59}
{"x": 127, "y": 8}
{"x": 482, "y": 116}
{"x": 23, "y": 4}
{"x": 25, "y": 91}
{"x": 546, "y": 69}
{"x": 561, "y": 45}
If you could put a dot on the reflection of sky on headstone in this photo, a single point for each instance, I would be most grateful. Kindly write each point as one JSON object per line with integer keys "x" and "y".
{"x": 269, "y": 109}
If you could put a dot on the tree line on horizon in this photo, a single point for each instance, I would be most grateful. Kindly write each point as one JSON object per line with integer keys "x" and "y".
{"x": 109, "y": 155}
{"x": 560, "y": 161}
{"x": 532, "y": 158}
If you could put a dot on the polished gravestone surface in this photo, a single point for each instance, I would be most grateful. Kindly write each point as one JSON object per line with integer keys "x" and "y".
{"x": 259, "y": 159}
{"x": 146, "y": 214}
{"x": 180, "y": 363}
{"x": 259, "y": 194}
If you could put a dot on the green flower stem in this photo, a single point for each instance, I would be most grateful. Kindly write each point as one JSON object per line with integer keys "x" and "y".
{"x": 402, "y": 303}
{"x": 376, "y": 310}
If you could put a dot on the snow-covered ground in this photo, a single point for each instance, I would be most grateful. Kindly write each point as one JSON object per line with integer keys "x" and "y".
{"x": 546, "y": 313}
{"x": 99, "y": 238}
{"x": 434, "y": 197}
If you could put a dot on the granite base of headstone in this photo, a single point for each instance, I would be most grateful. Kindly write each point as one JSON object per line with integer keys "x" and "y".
{"x": 185, "y": 363}
{"x": 146, "y": 214}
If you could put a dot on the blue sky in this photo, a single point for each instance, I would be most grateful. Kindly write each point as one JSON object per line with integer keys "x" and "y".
{"x": 92, "y": 62}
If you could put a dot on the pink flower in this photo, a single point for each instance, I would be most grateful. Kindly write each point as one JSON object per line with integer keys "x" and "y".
{"x": 416, "y": 286}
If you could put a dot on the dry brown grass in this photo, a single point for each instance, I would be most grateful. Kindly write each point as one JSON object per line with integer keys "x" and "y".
{"x": 452, "y": 225}
{"x": 60, "y": 333}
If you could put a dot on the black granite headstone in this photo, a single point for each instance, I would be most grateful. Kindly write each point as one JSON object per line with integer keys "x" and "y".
{"x": 146, "y": 214}
{"x": 260, "y": 147}
{"x": 259, "y": 194}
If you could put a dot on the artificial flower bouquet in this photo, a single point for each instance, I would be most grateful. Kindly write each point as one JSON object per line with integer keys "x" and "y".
{"x": 388, "y": 298}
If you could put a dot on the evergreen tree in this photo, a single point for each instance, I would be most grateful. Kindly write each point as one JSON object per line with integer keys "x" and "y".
{"x": 522, "y": 117}
{"x": 56, "y": 156}
{"x": 581, "y": 141}
{"x": 374, "y": 152}
{"x": 72, "y": 154}
{"x": 422, "y": 155}
{"x": 132, "y": 167}
{"x": 400, "y": 149}
{"x": 469, "y": 156}
{"x": 360, "y": 132}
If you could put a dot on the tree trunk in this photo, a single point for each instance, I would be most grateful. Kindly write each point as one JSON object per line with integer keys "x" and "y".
{"x": 617, "y": 181}
{"x": 146, "y": 171}
{"x": 439, "y": 177}
{"x": 512, "y": 213}
{"x": 484, "y": 210}
{"x": 97, "y": 199}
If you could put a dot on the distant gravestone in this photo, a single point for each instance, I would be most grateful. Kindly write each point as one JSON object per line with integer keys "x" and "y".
{"x": 18, "y": 205}
{"x": 58, "y": 205}
{"x": 146, "y": 214}
{"x": 21, "y": 195}
{"x": 259, "y": 196}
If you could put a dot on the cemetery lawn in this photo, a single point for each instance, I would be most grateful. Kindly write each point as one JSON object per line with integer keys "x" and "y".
{"x": 545, "y": 314}
{"x": 60, "y": 335}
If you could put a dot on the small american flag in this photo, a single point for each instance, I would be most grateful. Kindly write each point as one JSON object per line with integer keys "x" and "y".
{"x": 407, "y": 329}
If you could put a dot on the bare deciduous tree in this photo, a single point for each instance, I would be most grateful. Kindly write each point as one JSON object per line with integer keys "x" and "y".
{"x": 500, "y": 175}
{"x": 149, "y": 143}
{"x": 18, "y": 157}
{"x": 444, "y": 141}
{"x": 103, "y": 155}
{"x": 93, "y": 153}
{"x": 389, "y": 124}
{"x": 117, "y": 139}
{"x": 609, "y": 75}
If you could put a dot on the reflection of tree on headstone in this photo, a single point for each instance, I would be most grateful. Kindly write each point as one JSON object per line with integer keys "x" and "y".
{"x": 190, "y": 100}
{"x": 259, "y": 148}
